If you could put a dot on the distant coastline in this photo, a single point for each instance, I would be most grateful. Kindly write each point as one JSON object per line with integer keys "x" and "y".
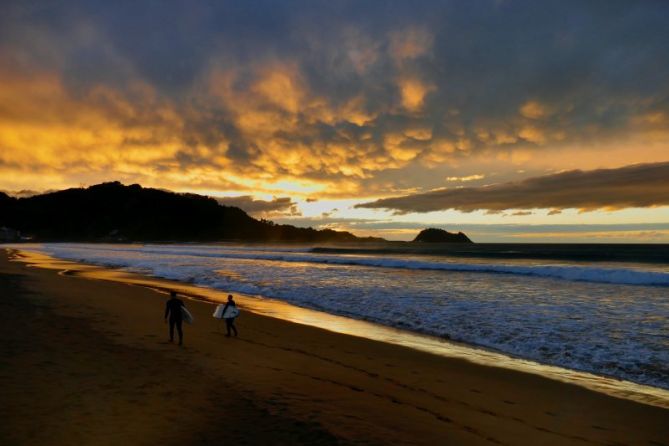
{"x": 116, "y": 213}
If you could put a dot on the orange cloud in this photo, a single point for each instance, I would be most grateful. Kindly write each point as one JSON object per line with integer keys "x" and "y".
{"x": 655, "y": 236}
{"x": 48, "y": 128}
{"x": 466, "y": 178}
{"x": 263, "y": 128}
{"x": 413, "y": 92}
{"x": 421, "y": 133}
{"x": 533, "y": 134}
{"x": 280, "y": 85}
{"x": 337, "y": 103}
{"x": 534, "y": 110}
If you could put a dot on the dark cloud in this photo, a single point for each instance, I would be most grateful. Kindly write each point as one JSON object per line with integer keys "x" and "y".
{"x": 640, "y": 185}
{"x": 496, "y": 228}
{"x": 351, "y": 89}
{"x": 277, "y": 206}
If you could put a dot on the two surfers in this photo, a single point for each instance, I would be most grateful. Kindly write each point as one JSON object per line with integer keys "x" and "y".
{"x": 176, "y": 313}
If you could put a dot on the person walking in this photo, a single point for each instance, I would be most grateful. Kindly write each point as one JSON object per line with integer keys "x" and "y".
{"x": 174, "y": 313}
{"x": 230, "y": 313}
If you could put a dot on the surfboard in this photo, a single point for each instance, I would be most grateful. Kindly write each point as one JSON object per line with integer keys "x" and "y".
{"x": 218, "y": 313}
{"x": 188, "y": 318}
{"x": 231, "y": 312}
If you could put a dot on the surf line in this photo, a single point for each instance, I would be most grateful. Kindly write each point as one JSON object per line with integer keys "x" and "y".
{"x": 339, "y": 324}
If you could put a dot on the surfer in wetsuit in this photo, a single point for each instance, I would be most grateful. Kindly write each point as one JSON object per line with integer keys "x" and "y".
{"x": 173, "y": 310}
{"x": 227, "y": 315}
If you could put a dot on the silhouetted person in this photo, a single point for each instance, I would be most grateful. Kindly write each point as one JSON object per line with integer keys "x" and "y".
{"x": 227, "y": 315}
{"x": 173, "y": 311}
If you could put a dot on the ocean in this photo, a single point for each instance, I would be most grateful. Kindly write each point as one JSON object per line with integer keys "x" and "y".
{"x": 602, "y": 309}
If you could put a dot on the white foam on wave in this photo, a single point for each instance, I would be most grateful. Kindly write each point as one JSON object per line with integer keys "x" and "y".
{"x": 622, "y": 276}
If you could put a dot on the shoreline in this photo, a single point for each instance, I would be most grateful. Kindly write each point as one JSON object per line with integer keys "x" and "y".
{"x": 105, "y": 355}
{"x": 609, "y": 385}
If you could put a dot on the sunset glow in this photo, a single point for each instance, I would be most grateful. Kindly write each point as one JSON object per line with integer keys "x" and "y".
{"x": 350, "y": 116}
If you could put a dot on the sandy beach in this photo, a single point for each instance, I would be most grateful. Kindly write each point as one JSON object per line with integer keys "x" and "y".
{"x": 87, "y": 362}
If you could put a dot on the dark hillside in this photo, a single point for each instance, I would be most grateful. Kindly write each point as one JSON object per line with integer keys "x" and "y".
{"x": 114, "y": 212}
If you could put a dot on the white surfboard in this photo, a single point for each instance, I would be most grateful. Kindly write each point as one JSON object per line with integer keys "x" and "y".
{"x": 231, "y": 312}
{"x": 218, "y": 312}
{"x": 188, "y": 318}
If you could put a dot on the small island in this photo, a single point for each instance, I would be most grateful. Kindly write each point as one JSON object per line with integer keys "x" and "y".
{"x": 434, "y": 235}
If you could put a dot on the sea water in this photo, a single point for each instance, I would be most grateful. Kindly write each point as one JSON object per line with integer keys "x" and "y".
{"x": 597, "y": 308}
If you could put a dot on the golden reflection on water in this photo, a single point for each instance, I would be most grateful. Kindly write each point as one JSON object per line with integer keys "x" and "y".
{"x": 339, "y": 324}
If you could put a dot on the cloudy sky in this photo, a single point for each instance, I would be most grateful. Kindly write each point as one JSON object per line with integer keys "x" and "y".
{"x": 510, "y": 120}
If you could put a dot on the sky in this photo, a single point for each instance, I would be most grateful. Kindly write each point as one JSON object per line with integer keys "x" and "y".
{"x": 513, "y": 121}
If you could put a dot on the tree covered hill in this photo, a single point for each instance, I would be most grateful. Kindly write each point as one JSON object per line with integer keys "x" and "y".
{"x": 114, "y": 212}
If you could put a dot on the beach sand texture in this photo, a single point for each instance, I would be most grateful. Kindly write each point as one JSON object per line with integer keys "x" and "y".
{"x": 87, "y": 362}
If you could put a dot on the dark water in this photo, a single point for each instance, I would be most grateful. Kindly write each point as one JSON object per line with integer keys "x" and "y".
{"x": 634, "y": 253}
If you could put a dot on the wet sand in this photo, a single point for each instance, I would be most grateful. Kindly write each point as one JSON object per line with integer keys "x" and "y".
{"x": 87, "y": 362}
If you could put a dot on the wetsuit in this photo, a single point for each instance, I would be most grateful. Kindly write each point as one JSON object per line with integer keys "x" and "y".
{"x": 229, "y": 321}
{"x": 173, "y": 309}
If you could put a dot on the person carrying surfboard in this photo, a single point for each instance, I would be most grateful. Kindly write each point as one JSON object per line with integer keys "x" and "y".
{"x": 230, "y": 312}
{"x": 173, "y": 310}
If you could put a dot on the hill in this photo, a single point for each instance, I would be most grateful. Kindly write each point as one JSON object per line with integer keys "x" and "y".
{"x": 114, "y": 212}
{"x": 434, "y": 235}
